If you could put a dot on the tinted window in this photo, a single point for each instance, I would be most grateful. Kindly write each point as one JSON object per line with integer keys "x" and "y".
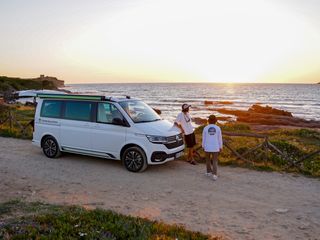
{"x": 107, "y": 113}
{"x": 51, "y": 109}
{"x": 78, "y": 110}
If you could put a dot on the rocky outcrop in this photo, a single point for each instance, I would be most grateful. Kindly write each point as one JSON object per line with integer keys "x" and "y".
{"x": 268, "y": 116}
{"x": 207, "y": 102}
{"x": 56, "y": 82}
{"x": 201, "y": 121}
{"x": 9, "y": 84}
{"x": 268, "y": 110}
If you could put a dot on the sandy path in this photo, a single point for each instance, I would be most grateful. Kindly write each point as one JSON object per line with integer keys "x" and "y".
{"x": 240, "y": 205}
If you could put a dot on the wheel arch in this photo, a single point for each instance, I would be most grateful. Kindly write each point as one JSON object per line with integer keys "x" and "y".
{"x": 48, "y": 135}
{"x": 128, "y": 145}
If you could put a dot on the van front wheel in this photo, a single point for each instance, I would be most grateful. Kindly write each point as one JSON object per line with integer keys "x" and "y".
{"x": 50, "y": 147}
{"x": 134, "y": 159}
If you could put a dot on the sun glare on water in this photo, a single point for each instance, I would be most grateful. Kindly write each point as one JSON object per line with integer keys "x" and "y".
{"x": 213, "y": 41}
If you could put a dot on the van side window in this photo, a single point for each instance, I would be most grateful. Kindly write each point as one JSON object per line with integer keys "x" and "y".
{"x": 51, "y": 109}
{"x": 107, "y": 113}
{"x": 80, "y": 111}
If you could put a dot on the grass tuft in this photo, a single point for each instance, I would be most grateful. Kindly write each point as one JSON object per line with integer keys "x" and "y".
{"x": 59, "y": 222}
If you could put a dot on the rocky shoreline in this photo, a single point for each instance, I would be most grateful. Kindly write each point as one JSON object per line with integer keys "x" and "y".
{"x": 262, "y": 115}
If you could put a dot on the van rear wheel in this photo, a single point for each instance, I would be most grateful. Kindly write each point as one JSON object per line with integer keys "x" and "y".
{"x": 50, "y": 147}
{"x": 134, "y": 159}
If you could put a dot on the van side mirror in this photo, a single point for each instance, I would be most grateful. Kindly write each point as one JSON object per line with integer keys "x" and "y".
{"x": 158, "y": 111}
{"x": 119, "y": 121}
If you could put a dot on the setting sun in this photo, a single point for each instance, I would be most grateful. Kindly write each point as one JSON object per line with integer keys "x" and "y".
{"x": 205, "y": 41}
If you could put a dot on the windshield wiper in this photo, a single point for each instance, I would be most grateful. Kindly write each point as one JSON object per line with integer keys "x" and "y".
{"x": 158, "y": 119}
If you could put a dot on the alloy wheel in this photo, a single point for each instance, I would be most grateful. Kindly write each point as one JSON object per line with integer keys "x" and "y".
{"x": 134, "y": 160}
{"x": 50, "y": 148}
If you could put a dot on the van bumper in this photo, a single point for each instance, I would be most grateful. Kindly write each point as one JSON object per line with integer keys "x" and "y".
{"x": 36, "y": 143}
{"x": 160, "y": 157}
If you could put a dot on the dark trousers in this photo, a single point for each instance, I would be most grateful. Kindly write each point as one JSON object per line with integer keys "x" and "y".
{"x": 212, "y": 162}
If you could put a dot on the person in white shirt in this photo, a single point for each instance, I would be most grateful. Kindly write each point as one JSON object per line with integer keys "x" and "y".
{"x": 212, "y": 145}
{"x": 183, "y": 121}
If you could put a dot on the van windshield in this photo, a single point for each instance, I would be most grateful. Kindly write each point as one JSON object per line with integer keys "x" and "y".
{"x": 139, "y": 111}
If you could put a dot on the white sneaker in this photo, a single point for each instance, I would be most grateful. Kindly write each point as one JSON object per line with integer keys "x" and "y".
{"x": 208, "y": 174}
{"x": 214, "y": 177}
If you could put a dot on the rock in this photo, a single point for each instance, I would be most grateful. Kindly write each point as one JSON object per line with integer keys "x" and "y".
{"x": 202, "y": 121}
{"x": 207, "y": 102}
{"x": 224, "y": 102}
{"x": 268, "y": 110}
{"x": 304, "y": 226}
{"x": 168, "y": 190}
{"x": 281, "y": 210}
{"x": 199, "y": 121}
{"x": 280, "y": 118}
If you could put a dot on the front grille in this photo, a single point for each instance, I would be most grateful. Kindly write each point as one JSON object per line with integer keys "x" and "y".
{"x": 174, "y": 141}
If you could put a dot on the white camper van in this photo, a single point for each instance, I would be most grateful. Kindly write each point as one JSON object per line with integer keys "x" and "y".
{"x": 122, "y": 129}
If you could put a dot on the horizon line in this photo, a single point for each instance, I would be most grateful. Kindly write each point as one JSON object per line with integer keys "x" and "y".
{"x": 179, "y": 82}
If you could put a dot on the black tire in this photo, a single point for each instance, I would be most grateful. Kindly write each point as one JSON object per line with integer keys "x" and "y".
{"x": 134, "y": 159}
{"x": 50, "y": 147}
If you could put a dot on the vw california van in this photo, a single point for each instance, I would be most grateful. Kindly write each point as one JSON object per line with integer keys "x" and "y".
{"x": 114, "y": 128}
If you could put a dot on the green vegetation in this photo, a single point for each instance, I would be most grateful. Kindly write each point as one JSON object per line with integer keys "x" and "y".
{"x": 294, "y": 143}
{"x": 17, "y": 84}
{"x": 43, "y": 221}
{"x": 18, "y": 125}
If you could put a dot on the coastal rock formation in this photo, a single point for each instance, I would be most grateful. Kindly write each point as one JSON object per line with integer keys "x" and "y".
{"x": 56, "y": 82}
{"x": 268, "y": 110}
{"x": 201, "y": 121}
{"x": 9, "y": 84}
{"x": 207, "y": 102}
{"x": 268, "y": 116}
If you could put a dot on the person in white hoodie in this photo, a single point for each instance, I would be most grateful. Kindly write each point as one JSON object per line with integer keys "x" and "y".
{"x": 212, "y": 145}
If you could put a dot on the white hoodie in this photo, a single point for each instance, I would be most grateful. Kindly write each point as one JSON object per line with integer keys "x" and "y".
{"x": 212, "y": 138}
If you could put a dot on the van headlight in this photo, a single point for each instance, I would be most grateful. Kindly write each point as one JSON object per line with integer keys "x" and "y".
{"x": 157, "y": 139}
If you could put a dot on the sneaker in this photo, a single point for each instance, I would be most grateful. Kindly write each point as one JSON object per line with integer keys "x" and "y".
{"x": 208, "y": 174}
{"x": 214, "y": 177}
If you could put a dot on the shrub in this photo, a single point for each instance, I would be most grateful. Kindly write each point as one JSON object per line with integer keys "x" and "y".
{"x": 290, "y": 150}
{"x": 235, "y": 127}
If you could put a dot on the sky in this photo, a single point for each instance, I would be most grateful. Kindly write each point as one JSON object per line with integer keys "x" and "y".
{"x": 97, "y": 41}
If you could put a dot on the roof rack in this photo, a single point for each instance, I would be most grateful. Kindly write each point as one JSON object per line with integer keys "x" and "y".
{"x": 74, "y": 96}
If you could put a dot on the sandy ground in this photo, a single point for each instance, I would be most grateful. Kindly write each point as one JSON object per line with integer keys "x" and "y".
{"x": 242, "y": 204}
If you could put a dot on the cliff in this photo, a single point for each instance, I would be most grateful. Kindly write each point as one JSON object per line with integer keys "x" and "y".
{"x": 8, "y": 84}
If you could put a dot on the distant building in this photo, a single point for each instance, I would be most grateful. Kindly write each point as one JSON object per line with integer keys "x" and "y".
{"x": 58, "y": 83}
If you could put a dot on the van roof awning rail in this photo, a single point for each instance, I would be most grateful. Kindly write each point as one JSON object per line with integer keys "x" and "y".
{"x": 74, "y": 96}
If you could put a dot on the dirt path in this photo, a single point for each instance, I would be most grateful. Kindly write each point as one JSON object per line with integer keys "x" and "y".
{"x": 242, "y": 204}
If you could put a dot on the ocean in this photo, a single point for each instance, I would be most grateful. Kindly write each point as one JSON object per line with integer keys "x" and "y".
{"x": 302, "y": 100}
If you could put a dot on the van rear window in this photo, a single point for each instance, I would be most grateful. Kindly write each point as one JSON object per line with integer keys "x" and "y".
{"x": 51, "y": 109}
